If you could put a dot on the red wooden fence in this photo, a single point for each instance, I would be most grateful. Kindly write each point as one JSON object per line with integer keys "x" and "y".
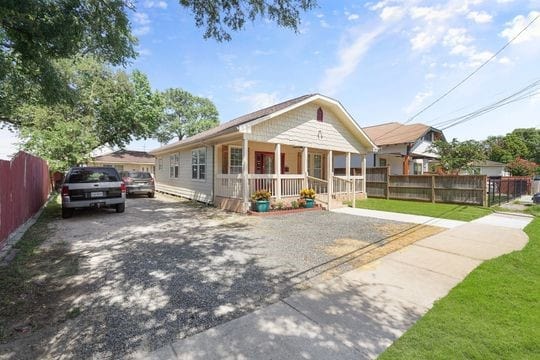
{"x": 24, "y": 188}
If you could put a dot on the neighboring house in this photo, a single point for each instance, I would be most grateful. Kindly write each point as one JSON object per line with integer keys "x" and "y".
{"x": 126, "y": 160}
{"x": 487, "y": 167}
{"x": 405, "y": 149}
{"x": 282, "y": 148}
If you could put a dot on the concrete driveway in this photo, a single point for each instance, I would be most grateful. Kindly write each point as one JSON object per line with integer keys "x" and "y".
{"x": 167, "y": 269}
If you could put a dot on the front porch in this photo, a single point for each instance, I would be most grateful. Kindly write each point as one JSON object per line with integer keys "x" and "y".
{"x": 242, "y": 167}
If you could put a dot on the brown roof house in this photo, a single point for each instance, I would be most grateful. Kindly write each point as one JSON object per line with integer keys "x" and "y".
{"x": 126, "y": 160}
{"x": 405, "y": 149}
{"x": 282, "y": 148}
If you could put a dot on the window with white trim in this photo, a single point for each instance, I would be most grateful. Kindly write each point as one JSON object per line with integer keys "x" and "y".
{"x": 235, "y": 159}
{"x": 198, "y": 164}
{"x": 160, "y": 164}
{"x": 174, "y": 161}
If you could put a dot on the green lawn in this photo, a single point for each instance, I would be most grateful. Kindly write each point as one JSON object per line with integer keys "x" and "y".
{"x": 444, "y": 211}
{"x": 493, "y": 314}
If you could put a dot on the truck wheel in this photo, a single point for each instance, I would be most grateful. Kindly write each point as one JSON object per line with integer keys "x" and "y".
{"x": 67, "y": 213}
{"x": 120, "y": 208}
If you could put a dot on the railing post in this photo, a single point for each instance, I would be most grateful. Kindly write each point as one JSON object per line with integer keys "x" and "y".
{"x": 217, "y": 184}
{"x": 348, "y": 174}
{"x": 364, "y": 175}
{"x": 305, "y": 166}
{"x": 277, "y": 170}
{"x": 330, "y": 179}
{"x": 245, "y": 181}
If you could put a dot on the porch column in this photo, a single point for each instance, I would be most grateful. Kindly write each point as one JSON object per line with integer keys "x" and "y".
{"x": 277, "y": 170}
{"x": 364, "y": 173}
{"x": 216, "y": 170}
{"x": 348, "y": 176}
{"x": 330, "y": 177}
{"x": 305, "y": 166}
{"x": 245, "y": 181}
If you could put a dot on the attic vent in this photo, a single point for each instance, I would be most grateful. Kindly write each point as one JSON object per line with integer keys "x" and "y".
{"x": 320, "y": 115}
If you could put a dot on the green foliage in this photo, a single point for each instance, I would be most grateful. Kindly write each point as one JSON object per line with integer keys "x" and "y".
{"x": 107, "y": 107}
{"x": 522, "y": 167}
{"x": 185, "y": 115}
{"x": 520, "y": 143}
{"x": 220, "y": 17}
{"x": 262, "y": 194}
{"x": 35, "y": 33}
{"x": 456, "y": 155}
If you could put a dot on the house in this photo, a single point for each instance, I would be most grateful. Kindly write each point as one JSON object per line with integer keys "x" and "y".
{"x": 405, "y": 149}
{"x": 282, "y": 148}
{"x": 126, "y": 160}
{"x": 487, "y": 167}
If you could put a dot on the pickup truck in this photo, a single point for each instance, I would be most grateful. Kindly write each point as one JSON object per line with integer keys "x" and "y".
{"x": 85, "y": 187}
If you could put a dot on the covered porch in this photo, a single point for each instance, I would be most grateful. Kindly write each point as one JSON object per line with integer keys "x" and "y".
{"x": 242, "y": 167}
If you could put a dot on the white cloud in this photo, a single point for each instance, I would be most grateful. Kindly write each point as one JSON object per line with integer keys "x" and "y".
{"x": 259, "y": 52}
{"x": 144, "y": 52}
{"x": 457, "y": 36}
{"x": 141, "y": 30}
{"x": 261, "y": 100}
{"x": 478, "y": 58}
{"x": 349, "y": 56}
{"x": 417, "y": 101}
{"x": 392, "y": 13}
{"x": 141, "y": 18}
{"x": 155, "y": 4}
{"x": 480, "y": 17}
{"x": 324, "y": 24}
{"x": 519, "y": 23}
{"x": 423, "y": 41}
{"x": 505, "y": 61}
{"x": 143, "y": 22}
{"x": 430, "y": 13}
{"x": 353, "y": 17}
{"x": 430, "y": 76}
{"x": 240, "y": 84}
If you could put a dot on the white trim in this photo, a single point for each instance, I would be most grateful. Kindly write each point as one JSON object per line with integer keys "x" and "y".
{"x": 198, "y": 178}
{"x": 229, "y": 157}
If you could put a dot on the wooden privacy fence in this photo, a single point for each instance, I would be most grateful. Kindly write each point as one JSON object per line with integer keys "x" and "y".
{"x": 460, "y": 189}
{"x": 24, "y": 188}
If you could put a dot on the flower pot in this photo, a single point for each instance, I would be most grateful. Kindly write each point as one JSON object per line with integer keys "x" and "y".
{"x": 261, "y": 205}
{"x": 310, "y": 203}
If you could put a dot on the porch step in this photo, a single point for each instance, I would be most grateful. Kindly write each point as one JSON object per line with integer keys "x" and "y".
{"x": 334, "y": 204}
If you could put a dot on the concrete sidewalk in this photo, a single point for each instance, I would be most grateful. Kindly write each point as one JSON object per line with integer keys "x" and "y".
{"x": 360, "y": 313}
{"x": 415, "y": 219}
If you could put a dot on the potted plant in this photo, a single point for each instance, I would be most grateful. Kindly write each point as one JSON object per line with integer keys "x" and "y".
{"x": 261, "y": 200}
{"x": 309, "y": 196}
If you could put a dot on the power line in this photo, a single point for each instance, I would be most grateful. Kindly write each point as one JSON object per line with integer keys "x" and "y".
{"x": 465, "y": 79}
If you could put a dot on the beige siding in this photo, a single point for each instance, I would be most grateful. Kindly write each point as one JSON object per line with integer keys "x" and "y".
{"x": 300, "y": 127}
{"x": 184, "y": 185}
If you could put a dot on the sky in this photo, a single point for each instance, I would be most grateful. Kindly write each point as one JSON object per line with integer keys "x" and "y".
{"x": 383, "y": 60}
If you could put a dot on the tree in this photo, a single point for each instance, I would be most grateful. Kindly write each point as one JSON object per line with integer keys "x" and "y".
{"x": 456, "y": 156}
{"x": 522, "y": 143}
{"x": 34, "y": 34}
{"x": 522, "y": 167}
{"x": 185, "y": 115}
{"x": 220, "y": 17}
{"x": 108, "y": 107}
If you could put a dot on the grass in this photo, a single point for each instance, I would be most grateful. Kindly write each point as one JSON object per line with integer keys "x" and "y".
{"x": 493, "y": 314}
{"x": 444, "y": 211}
{"x": 30, "y": 284}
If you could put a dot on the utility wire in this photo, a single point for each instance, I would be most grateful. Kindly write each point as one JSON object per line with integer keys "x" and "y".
{"x": 464, "y": 80}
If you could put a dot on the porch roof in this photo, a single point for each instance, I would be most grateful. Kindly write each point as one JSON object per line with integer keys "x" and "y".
{"x": 234, "y": 125}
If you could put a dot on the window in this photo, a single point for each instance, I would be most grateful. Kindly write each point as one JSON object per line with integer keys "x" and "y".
{"x": 235, "y": 160}
{"x": 198, "y": 164}
{"x": 160, "y": 164}
{"x": 320, "y": 115}
{"x": 174, "y": 161}
{"x": 417, "y": 168}
{"x": 382, "y": 162}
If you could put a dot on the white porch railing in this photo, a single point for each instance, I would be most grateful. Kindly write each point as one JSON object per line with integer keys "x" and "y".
{"x": 343, "y": 186}
{"x": 229, "y": 185}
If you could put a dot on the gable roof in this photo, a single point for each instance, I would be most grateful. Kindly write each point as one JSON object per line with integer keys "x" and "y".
{"x": 126, "y": 157}
{"x": 393, "y": 133}
{"x": 255, "y": 117}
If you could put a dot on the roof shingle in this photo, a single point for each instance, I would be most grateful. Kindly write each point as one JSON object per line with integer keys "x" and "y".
{"x": 395, "y": 133}
{"x": 126, "y": 157}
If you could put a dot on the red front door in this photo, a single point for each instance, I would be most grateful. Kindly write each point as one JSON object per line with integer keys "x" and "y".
{"x": 264, "y": 162}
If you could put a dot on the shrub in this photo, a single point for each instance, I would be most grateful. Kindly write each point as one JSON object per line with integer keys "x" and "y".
{"x": 301, "y": 202}
{"x": 307, "y": 194}
{"x": 522, "y": 167}
{"x": 294, "y": 204}
{"x": 261, "y": 195}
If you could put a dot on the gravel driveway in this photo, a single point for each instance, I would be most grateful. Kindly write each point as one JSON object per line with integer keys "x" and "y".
{"x": 167, "y": 268}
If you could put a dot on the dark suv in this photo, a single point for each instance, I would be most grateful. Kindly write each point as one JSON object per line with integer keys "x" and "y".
{"x": 139, "y": 182}
{"x": 92, "y": 187}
